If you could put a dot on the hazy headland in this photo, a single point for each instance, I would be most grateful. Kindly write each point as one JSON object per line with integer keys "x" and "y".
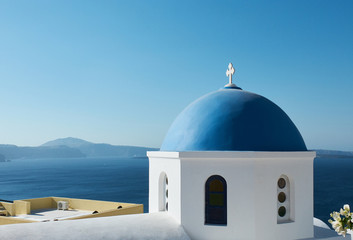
{"x": 77, "y": 148}
{"x": 71, "y": 148}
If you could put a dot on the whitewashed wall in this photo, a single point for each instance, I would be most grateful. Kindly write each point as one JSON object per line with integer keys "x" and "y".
{"x": 171, "y": 166}
{"x": 251, "y": 192}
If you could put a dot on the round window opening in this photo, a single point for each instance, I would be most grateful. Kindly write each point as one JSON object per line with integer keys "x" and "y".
{"x": 282, "y": 211}
{"x": 281, "y": 197}
{"x": 281, "y": 183}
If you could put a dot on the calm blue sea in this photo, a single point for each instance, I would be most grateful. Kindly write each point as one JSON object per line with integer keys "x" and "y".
{"x": 126, "y": 180}
{"x": 110, "y": 179}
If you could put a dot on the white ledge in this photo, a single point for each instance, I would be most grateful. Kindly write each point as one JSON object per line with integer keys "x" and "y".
{"x": 231, "y": 154}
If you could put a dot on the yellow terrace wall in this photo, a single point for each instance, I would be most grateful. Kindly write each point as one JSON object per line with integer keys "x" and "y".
{"x": 136, "y": 209}
{"x": 22, "y": 207}
{"x": 74, "y": 203}
{"x": 18, "y": 207}
{"x": 9, "y": 207}
{"x": 41, "y": 203}
{"x": 7, "y": 220}
{"x": 92, "y": 205}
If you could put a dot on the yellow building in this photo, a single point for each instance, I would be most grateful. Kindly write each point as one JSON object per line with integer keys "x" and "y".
{"x": 58, "y": 209}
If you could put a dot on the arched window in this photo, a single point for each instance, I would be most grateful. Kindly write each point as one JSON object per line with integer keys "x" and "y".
{"x": 283, "y": 199}
{"x": 216, "y": 200}
{"x": 163, "y": 192}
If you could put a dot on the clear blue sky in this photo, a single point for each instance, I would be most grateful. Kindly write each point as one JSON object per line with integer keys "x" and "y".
{"x": 120, "y": 71}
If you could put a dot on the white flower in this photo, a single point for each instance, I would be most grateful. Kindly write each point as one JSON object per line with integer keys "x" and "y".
{"x": 342, "y": 212}
{"x": 337, "y": 225}
{"x": 346, "y": 208}
{"x": 342, "y": 221}
{"x": 338, "y": 228}
{"x": 341, "y": 231}
{"x": 336, "y": 216}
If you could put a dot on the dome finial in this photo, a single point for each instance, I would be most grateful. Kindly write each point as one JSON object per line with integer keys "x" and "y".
{"x": 230, "y": 71}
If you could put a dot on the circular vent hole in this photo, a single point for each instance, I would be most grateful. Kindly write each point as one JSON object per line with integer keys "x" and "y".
{"x": 281, "y": 183}
{"x": 282, "y": 197}
{"x": 282, "y": 211}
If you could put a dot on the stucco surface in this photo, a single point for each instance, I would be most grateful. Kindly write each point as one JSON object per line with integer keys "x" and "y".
{"x": 156, "y": 226}
{"x": 140, "y": 226}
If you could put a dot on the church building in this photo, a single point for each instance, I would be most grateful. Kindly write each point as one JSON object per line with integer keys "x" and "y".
{"x": 234, "y": 166}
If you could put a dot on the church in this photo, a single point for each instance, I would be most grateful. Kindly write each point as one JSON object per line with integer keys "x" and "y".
{"x": 232, "y": 166}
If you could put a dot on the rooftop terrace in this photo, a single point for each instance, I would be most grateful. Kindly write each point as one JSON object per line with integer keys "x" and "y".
{"x": 46, "y": 209}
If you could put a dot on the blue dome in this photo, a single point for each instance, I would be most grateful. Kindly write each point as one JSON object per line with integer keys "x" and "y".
{"x": 231, "y": 119}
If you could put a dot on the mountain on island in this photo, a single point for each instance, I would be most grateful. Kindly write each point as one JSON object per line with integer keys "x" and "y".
{"x": 14, "y": 152}
{"x": 71, "y": 148}
{"x": 69, "y": 142}
{"x": 333, "y": 154}
{"x": 100, "y": 149}
{"x": 78, "y": 148}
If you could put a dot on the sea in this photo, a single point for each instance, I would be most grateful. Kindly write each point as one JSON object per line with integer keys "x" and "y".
{"x": 126, "y": 180}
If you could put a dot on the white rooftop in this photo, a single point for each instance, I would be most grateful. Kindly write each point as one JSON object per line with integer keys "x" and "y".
{"x": 138, "y": 226}
{"x": 45, "y": 215}
{"x": 154, "y": 226}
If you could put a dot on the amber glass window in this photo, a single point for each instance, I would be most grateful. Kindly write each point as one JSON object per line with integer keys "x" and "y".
{"x": 216, "y": 200}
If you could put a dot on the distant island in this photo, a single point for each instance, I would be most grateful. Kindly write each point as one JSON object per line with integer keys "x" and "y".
{"x": 333, "y": 154}
{"x": 77, "y": 148}
{"x": 71, "y": 148}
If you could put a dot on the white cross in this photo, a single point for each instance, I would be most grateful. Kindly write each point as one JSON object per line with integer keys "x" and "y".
{"x": 230, "y": 72}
